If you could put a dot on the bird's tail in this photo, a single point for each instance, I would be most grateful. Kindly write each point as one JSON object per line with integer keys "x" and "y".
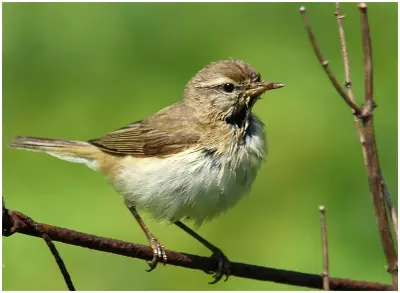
{"x": 73, "y": 151}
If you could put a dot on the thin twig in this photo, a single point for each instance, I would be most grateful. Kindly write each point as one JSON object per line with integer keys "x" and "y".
{"x": 372, "y": 162}
{"x": 324, "y": 236}
{"x": 7, "y": 221}
{"x": 53, "y": 249}
{"x": 348, "y": 83}
{"x": 390, "y": 206}
{"x": 339, "y": 18}
{"x": 324, "y": 63}
{"x": 366, "y": 135}
{"x": 360, "y": 130}
{"x": 367, "y": 49}
{"x": 183, "y": 259}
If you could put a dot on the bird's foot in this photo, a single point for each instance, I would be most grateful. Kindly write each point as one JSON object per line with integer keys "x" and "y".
{"x": 159, "y": 254}
{"x": 224, "y": 267}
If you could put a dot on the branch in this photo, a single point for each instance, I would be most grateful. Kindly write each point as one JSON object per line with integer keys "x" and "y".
{"x": 324, "y": 236}
{"x": 15, "y": 224}
{"x": 7, "y": 220}
{"x": 324, "y": 63}
{"x": 360, "y": 130}
{"x": 372, "y": 162}
{"x": 366, "y": 132}
{"x": 348, "y": 83}
{"x": 390, "y": 206}
{"x": 367, "y": 49}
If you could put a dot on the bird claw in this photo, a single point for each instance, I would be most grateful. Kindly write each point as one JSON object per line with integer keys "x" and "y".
{"x": 224, "y": 267}
{"x": 159, "y": 254}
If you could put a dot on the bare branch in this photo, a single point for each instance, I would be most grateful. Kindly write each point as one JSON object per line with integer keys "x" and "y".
{"x": 339, "y": 19}
{"x": 16, "y": 225}
{"x": 366, "y": 131}
{"x": 372, "y": 162}
{"x": 367, "y": 48}
{"x": 348, "y": 83}
{"x": 7, "y": 220}
{"x": 390, "y": 206}
{"x": 324, "y": 236}
{"x": 360, "y": 130}
{"x": 324, "y": 63}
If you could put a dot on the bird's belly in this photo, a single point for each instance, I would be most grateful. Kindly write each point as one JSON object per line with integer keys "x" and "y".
{"x": 193, "y": 184}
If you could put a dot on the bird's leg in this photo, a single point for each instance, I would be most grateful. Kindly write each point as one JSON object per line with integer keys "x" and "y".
{"x": 158, "y": 249}
{"x": 224, "y": 265}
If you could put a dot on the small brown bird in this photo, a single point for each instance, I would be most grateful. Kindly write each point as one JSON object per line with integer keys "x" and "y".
{"x": 192, "y": 160}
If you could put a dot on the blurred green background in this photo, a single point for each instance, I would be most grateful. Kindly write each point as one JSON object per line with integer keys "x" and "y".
{"x": 77, "y": 70}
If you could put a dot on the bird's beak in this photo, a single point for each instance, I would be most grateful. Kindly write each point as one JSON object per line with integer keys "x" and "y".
{"x": 260, "y": 87}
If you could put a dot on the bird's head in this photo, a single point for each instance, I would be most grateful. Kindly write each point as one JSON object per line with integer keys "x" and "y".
{"x": 227, "y": 90}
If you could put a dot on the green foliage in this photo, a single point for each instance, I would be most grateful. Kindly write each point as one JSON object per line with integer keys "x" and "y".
{"x": 78, "y": 70}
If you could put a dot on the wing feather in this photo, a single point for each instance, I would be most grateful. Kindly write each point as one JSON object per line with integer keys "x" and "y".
{"x": 160, "y": 135}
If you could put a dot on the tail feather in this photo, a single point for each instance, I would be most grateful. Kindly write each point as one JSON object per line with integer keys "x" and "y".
{"x": 44, "y": 144}
{"x": 69, "y": 150}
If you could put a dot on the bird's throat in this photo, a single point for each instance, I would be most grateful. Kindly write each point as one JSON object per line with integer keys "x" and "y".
{"x": 239, "y": 117}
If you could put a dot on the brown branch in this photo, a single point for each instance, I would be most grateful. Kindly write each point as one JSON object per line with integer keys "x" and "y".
{"x": 324, "y": 63}
{"x": 367, "y": 49}
{"x": 372, "y": 162}
{"x": 359, "y": 128}
{"x": 366, "y": 135}
{"x": 357, "y": 121}
{"x": 348, "y": 83}
{"x": 8, "y": 222}
{"x": 390, "y": 206}
{"x": 339, "y": 19}
{"x": 324, "y": 236}
{"x": 14, "y": 224}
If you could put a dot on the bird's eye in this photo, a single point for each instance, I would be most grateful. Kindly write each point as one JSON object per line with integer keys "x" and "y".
{"x": 228, "y": 87}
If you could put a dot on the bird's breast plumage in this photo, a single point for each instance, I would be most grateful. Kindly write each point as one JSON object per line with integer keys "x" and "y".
{"x": 198, "y": 183}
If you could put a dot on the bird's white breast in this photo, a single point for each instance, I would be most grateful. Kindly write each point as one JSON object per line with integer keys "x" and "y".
{"x": 193, "y": 184}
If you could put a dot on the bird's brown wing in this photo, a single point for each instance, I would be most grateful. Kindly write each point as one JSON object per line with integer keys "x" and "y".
{"x": 165, "y": 133}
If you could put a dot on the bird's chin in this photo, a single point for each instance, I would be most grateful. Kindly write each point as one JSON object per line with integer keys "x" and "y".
{"x": 251, "y": 101}
{"x": 240, "y": 116}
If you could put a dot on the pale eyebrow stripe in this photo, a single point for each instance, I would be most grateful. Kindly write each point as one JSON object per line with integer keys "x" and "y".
{"x": 216, "y": 82}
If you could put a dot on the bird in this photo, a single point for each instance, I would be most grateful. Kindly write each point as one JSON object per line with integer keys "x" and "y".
{"x": 192, "y": 160}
